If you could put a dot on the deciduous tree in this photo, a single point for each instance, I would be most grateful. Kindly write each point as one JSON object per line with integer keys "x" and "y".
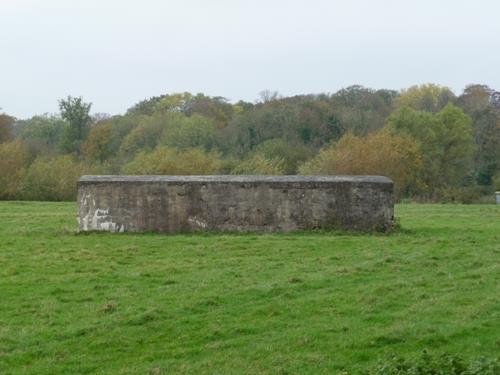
{"x": 381, "y": 153}
{"x": 42, "y": 133}
{"x": 189, "y": 132}
{"x": 6, "y": 128}
{"x": 481, "y": 103}
{"x": 97, "y": 146}
{"x": 445, "y": 142}
{"x": 77, "y": 114}
{"x": 427, "y": 97}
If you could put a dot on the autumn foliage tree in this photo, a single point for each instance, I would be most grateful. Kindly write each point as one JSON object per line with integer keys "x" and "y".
{"x": 432, "y": 143}
{"x": 381, "y": 153}
{"x": 97, "y": 146}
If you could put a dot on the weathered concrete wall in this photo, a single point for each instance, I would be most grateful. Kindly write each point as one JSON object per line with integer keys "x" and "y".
{"x": 234, "y": 203}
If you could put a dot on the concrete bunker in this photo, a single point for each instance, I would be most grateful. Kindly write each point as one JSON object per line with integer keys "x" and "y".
{"x": 172, "y": 204}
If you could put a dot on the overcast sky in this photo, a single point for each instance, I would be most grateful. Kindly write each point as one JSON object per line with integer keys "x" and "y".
{"x": 117, "y": 52}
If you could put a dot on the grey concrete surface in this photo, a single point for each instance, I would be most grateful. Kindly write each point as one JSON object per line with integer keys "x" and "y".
{"x": 173, "y": 204}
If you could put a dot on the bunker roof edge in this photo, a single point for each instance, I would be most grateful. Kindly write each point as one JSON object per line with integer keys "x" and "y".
{"x": 234, "y": 178}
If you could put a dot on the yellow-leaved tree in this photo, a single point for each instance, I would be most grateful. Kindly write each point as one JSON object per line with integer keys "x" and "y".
{"x": 97, "y": 146}
{"x": 381, "y": 153}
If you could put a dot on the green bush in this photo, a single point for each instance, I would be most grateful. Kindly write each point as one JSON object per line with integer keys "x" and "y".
{"x": 427, "y": 364}
{"x": 170, "y": 161}
{"x": 467, "y": 195}
{"x": 259, "y": 165}
{"x": 292, "y": 154}
{"x": 54, "y": 179}
{"x": 14, "y": 161}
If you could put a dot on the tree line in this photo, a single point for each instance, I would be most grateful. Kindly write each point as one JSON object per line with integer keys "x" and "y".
{"x": 435, "y": 145}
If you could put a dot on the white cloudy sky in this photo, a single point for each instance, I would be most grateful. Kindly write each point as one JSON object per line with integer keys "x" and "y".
{"x": 117, "y": 52}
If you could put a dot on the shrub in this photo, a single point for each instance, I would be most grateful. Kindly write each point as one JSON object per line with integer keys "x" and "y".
{"x": 14, "y": 161}
{"x": 259, "y": 165}
{"x": 169, "y": 161}
{"x": 467, "y": 195}
{"x": 292, "y": 153}
{"x": 496, "y": 181}
{"x": 54, "y": 179}
{"x": 427, "y": 364}
{"x": 382, "y": 153}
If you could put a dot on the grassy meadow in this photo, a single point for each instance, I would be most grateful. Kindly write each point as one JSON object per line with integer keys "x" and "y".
{"x": 302, "y": 303}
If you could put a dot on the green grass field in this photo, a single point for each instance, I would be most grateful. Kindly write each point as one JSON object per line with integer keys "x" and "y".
{"x": 303, "y": 303}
